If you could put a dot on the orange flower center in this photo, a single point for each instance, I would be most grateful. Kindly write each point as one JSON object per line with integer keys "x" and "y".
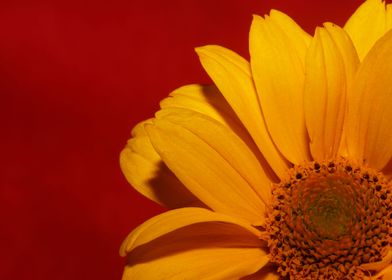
{"x": 327, "y": 219}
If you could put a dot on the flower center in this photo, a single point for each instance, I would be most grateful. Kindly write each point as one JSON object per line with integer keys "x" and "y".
{"x": 327, "y": 219}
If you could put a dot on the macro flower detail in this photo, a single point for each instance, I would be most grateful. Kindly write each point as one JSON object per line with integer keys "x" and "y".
{"x": 329, "y": 220}
{"x": 281, "y": 169}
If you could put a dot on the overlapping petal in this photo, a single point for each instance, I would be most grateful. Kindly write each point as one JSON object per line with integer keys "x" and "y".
{"x": 385, "y": 274}
{"x": 330, "y": 66}
{"x": 231, "y": 73}
{"x": 267, "y": 272}
{"x": 193, "y": 243}
{"x": 227, "y": 144}
{"x": 299, "y": 99}
{"x": 147, "y": 173}
{"x": 176, "y": 219}
{"x": 369, "y": 23}
{"x": 278, "y": 48}
{"x": 369, "y": 118}
{"x": 380, "y": 265}
{"x": 389, "y": 16}
{"x": 144, "y": 168}
{"x": 213, "y": 163}
{"x": 207, "y": 100}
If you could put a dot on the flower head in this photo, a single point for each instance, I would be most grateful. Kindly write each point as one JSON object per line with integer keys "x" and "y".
{"x": 281, "y": 168}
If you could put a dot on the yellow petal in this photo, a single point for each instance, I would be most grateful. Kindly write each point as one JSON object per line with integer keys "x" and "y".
{"x": 226, "y": 143}
{"x": 384, "y": 267}
{"x": 146, "y": 172}
{"x": 299, "y": 39}
{"x": 377, "y": 266}
{"x": 268, "y": 272}
{"x": 206, "y": 264}
{"x": 203, "y": 168}
{"x": 389, "y": 17}
{"x": 277, "y": 61}
{"x": 208, "y": 101}
{"x": 369, "y": 118}
{"x": 387, "y": 170}
{"x": 272, "y": 276}
{"x": 386, "y": 274}
{"x": 367, "y": 25}
{"x": 193, "y": 243}
{"x": 231, "y": 74}
{"x": 175, "y": 219}
{"x": 331, "y": 64}
{"x": 347, "y": 50}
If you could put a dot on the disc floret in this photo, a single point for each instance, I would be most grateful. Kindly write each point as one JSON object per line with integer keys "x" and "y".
{"x": 327, "y": 219}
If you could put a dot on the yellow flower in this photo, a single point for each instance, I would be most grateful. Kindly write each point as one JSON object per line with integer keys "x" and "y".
{"x": 280, "y": 169}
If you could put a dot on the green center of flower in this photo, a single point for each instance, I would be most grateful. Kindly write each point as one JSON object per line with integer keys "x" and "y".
{"x": 326, "y": 206}
{"x": 328, "y": 219}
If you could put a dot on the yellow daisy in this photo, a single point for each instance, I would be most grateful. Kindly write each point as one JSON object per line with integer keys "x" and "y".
{"x": 279, "y": 170}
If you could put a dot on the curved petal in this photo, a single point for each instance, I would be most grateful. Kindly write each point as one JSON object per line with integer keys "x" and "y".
{"x": 193, "y": 243}
{"x": 389, "y": 17}
{"x": 146, "y": 172}
{"x": 385, "y": 274}
{"x": 383, "y": 267}
{"x": 299, "y": 39}
{"x": 268, "y": 272}
{"x": 330, "y": 66}
{"x": 201, "y": 159}
{"x": 231, "y": 74}
{"x": 277, "y": 52}
{"x": 230, "y": 147}
{"x": 263, "y": 276}
{"x": 369, "y": 118}
{"x": 208, "y": 101}
{"x": 175, "y": 219}
{"x": 208, "y": 264}
{"x": 369, "y": 23}
{"x": 380, "y": 265}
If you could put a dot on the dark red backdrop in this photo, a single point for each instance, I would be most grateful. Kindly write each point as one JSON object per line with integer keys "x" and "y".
{"x": 75, "y": 77}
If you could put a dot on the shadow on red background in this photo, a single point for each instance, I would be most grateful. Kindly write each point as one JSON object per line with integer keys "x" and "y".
{"x": 75, "y": 77}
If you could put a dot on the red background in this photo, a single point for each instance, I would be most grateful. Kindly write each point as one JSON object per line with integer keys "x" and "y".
{"x": 75, "y": 77}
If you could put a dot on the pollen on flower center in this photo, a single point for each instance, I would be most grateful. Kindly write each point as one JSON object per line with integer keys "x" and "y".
{"x": 327, "y": 219}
